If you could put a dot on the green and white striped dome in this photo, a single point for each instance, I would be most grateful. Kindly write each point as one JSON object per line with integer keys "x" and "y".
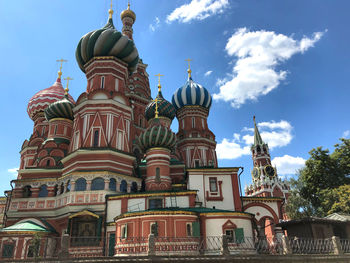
{"x": 60, "y": 109}
{"x": 157, "y": 136}
{"x": 107, "y": 41}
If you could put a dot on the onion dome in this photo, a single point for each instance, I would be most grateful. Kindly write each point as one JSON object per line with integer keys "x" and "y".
{"x": 42, "y": 99}
{"x": 60, "y": 109}
{"x": 104, "y": 42}
{"x": 191, "y": 94}
{"x": 165, "y": 108}
{"x": 157, "y": 136}
{"x": 128, "y": 13}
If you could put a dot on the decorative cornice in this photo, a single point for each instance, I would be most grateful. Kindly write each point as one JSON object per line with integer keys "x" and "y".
{"x": 94, "y": 152}
{"x": 152, "y": 194}
{"x": 145, "y": 213}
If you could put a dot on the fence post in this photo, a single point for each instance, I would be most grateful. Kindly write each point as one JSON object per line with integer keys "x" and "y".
{"x": 286, "y": 245}
{"x": 151, "y": 245}
{"x": 64, "y": 254}
{"x": 336, "y": 245}
{"x": 224, "y": 245}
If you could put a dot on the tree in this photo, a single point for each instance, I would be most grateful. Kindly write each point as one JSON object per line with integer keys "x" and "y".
{"x": 322, "y": 184}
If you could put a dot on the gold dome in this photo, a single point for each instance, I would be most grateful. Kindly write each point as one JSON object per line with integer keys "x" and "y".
{"x": 128, "y": 13}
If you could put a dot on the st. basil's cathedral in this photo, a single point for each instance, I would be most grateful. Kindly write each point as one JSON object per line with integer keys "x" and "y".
{"x": 108, "y": 167}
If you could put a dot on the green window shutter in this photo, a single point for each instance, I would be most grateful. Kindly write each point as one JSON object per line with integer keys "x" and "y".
{"x": 239, "y": 234}
{"x": 99, "y": 226}
{"x": 111, "y": 245}
{"x": 196, "y": 229}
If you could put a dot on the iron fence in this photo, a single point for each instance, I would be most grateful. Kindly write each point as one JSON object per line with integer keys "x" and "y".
{"x": 131, "y": 246}
{"x": 345, "y": 245}
{"x": 311, "y": 246}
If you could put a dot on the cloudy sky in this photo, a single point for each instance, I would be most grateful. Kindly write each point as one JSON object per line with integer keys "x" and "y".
{"x": 287, "y": 62}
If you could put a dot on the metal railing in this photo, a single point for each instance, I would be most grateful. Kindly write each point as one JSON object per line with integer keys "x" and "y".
{"x": 70, "y": 247}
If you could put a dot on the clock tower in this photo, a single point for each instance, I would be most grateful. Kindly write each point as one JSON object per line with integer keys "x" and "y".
{"x": 265, "y": 179}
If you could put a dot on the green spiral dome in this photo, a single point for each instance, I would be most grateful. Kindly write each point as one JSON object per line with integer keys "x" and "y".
{"x": 157, "y": 136}
{"x": 60, "y": 109}
{"x": 107, "y": 41}
{"x": 165, "y": 108}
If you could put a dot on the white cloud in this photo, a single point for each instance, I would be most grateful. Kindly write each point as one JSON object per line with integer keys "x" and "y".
{"x": 13, "y": 171}
{"x": 156, "y": 24}
{"x": 197, "y": 10}
{"x": 206, "y": 74}
{"x": 275, "y": 134}
{"x": 258, "y": 53}
{"x": 346, "y": 134}
{"x": 287, "y": 165}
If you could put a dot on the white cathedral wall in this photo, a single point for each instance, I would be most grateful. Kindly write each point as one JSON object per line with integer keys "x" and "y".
{"x": 113, "y": 209}
{"x": 195, "y": 182}
{"x": 213, "y": 227}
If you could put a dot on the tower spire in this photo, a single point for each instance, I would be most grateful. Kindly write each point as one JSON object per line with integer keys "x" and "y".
{"x": 189, "y": 71}
{"x": 60, "y": 71}
{"x": 156, "y": 113}
{"x": 257, "y": 138}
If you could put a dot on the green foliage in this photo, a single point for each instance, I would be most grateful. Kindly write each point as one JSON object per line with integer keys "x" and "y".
{"x": 323, "y": 184}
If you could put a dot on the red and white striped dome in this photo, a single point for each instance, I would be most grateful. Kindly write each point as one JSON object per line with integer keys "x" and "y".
{"x": 42, "y": 99}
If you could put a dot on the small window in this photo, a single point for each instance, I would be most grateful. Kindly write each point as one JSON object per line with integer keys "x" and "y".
{"x": 55, "y": 131}
{"x": 202, "y": 123}
{"x": 112, "y": 184}
{"x": 258, "y": 149}
{"x": 183, "y": 123}
{"x": 98, "y": 184}
{"x": 123, "y": 186}
{"x": 157, "y": 175}
{"x": 133, "y": 187}
{"x": 48, "y": 162}
{"x": 43, "y": 131}
{"x": 27, "y": 191}
{"x": 196, "y": 163}
{"x": 154, "y": 229}
{"x": 213, "y": 185}
{"x": 189, "y": 229}
{"x": 96, "y": 138}
{"x": 230, "y": 235}
{"x": 68, "y": 186}
{"x": 62, "y": 188}
{"x": 80, "y": 184}
{"x": 91, "y": 83}
{"x": 116, "y": 88}
{"x": 124, "y": 231}
{"x": 7, "y": 250}
{"x": 193, "y": 122}
{"x": 102, "y": 82}
{"x": 43, "y": 192}
{"x": 155, "y": 203}
{"x": 55, "y": 190}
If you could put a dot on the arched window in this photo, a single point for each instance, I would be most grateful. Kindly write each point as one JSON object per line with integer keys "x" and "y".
{"x": 62, "y": 188}
{"x": 157, "y": 175}
{"x": 55, "y": 190}
{"x": 27, "y": 191}
{"x": 258, "y": 149}
{"x": 102, "y": 82}
{"x": 112, "y": 184}
{"x": 98, "y": 184}
{"x": 96, "y": 137}
{"x": 123, "y": 186}
{"x": 48, "y": 162}
{"x": 80, "y": 184}
{"x": 43, "y": 191}
{"x": 133, "y": 187}
{"x": 68, "y": 186}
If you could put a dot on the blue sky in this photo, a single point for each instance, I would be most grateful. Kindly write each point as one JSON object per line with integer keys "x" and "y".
{"x": 287, "y": 62}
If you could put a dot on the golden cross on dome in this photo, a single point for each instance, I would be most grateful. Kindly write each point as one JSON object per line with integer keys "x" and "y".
{"x": 60, "y": 71}
{"x": 189, "y": 71}
{"x": 110, "y": 11}
{"x": 66, "y": 89}
{"x": 159, "y": 86}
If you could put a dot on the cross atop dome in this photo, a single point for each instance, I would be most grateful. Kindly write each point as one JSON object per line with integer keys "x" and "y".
{"x": 60, "y": 71}
{"x": 189, "y": 71}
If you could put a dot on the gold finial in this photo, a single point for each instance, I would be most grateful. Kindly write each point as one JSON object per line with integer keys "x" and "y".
{"x": 110, "y": 11}
{"x": 254, "y": 119}
{"x": 189, "y": 71}
{"x": 128, "y": 4}
{"x": 60, "y": 71}
{"x": 156, "y": 113}
{"x": 66, "y": 89}
{"x": 159, "y": 86}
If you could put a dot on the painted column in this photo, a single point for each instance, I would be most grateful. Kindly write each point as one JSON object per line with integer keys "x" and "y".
{"x": 107, "y": 184}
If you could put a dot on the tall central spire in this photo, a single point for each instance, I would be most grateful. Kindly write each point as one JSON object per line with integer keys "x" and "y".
{"x": 257, "y": 138}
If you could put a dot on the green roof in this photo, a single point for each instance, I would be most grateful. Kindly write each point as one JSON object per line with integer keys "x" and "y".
{"x": 25, "y": 226}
